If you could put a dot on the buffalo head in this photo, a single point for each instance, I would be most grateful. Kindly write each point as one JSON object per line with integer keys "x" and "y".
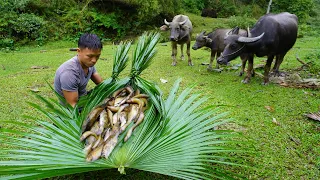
{"x": 201, "y": 40}
{"x": 235, "y": 45}
{"x": 177, "y": 29}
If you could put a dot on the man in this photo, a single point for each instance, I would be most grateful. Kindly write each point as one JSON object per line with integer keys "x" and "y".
{"x": 72, "y": 76}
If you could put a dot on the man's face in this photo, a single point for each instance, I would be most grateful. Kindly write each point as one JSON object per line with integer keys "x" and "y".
{"x": 88, "y": 57}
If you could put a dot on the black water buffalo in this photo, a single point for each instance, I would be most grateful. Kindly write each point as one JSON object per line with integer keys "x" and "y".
{"x": 273, "y": 35}
{"x": 180, "y": 33}
{"x": 215, "y": 41}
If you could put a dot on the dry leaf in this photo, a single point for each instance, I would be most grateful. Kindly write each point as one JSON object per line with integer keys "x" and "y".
{"x": 34, "y": 89}
{"x": 269, "y": 108}
{"x": 274, "y": 120}
{"x": 39, "y": 67}
{"x": 163, "y": 80}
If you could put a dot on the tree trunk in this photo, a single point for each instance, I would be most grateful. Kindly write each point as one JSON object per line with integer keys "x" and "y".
{"x": 268, "y": 10}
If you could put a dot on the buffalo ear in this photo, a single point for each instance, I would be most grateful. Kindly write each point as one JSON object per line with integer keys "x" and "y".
{"x": 209, "y": 40}
{"x": 235, "y": 30}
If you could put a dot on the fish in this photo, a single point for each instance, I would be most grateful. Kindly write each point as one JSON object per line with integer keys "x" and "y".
{"x": 117, "y": 92}
{"x": 119, "y": 101}
{"x": 95, "y": 128}
{"x": 110, "y": 102}
{"x": 110, "y": 116}
{"x": 122, "y": 118}
{"x": 103, "y": 121}
{"x": 129, "y": 133}
{"x": 141, "y": 96}
{"x": 86, "y": 134}
{"x": 90, "y": 140}
{"x": 133, "y": 114}
{"x": 109, "y": 146}
{"x": 99, "y": 140}
{"x": 120, "y": 110}
{"x": 93, "y": 115}
{"x": 107, "y": 134}
{"x": 95, "y": 153}
{"x": 137, "y": 92}
{"x": 87, "y": 149}
{"x": 137, "y": 101}
{"x": 122, "y": 100}
{"x": 113, "y": 108}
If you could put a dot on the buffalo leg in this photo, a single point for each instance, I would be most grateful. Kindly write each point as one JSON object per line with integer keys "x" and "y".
{"x": 267, "y": 69}
{"x": 182, "y": 55}
{"x": 213, "y": 54}
{"x": 188, "y": 53}
{"x": 218, "y": 55}
{"x": 249, "y": 70}
{"x": 243, "y": 65}
{"x": 174, "y": 53}
{"x": 279, "y": 59}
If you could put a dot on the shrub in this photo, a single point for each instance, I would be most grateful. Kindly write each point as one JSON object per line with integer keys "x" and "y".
{"x": 27, "y": 25}
{"x": 301, "y": 8}
{"x": 241, "y": 21}
{"x": 7, "y": 43}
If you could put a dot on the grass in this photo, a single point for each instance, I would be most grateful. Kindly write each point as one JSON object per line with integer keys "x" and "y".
{"x": 287, "y": 150}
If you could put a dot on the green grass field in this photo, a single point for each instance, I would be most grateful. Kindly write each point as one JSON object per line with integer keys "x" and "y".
{"x": 287, "y": 150}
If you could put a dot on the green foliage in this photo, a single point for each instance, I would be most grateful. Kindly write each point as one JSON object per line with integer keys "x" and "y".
{"x": 313, "y": 59}
{"x": 7, "y": 43}
{"x": 28, "y": 20}
{"x": 301, "y": 8}
{"x": 27, "y": 25}
{"x": 193, "y": 6}
{"x": 241, "y": 21}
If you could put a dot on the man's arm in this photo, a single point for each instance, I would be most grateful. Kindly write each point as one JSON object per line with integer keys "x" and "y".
{"x": 96, "y": 78}
{"x": 71, "y": 97}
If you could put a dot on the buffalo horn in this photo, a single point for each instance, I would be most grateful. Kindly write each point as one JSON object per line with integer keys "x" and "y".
{"x": 166, "y": 22}
{"x": 182, "y": 23}
{"x": 249, "y": 39}
{"x": 228, "y": 33}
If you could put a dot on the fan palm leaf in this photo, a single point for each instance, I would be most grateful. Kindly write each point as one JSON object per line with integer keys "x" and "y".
{"x": 176, "y": 137}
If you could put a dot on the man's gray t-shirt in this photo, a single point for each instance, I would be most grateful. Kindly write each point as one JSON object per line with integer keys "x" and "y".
{"x": 71, "y": 77}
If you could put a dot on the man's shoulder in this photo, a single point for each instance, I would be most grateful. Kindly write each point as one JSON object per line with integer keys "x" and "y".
{"x": 70, "y": 64}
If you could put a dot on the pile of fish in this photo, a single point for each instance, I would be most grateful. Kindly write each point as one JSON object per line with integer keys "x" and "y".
{"x": 106, "y": 122}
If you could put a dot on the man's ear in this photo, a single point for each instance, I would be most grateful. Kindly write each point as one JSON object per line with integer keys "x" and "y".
{"x": 78, "y": 50}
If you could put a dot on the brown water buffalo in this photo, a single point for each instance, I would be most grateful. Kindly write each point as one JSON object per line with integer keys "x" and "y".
{"x": 180, "y": 33}
{"x": 215, "y": 41}
{"x": 273, "y": 35}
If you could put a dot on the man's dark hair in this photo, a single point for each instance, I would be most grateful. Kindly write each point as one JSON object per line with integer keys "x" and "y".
{"x": 90, "y": 41}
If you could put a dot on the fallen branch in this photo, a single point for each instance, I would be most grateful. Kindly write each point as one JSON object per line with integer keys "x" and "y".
{"x": 303, "y": 63}
{"x": 314, "y": 116}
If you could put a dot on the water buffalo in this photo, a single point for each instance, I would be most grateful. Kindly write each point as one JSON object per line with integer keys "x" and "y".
{"x": 272, "y": 35}
{"x": 215, "y": 41}
{"x": 180, "y": 33}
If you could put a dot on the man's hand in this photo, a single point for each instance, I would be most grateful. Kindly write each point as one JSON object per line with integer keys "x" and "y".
{"x": 71, "y": 97}
{"x": 96, "y": 78}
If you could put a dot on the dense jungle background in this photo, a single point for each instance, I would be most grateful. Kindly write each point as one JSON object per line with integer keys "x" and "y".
{"x": 39, "y": 21}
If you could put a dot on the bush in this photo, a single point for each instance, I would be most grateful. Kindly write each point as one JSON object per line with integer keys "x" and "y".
{"x": 27, "y": 25}
{"x": 301, "y": 8}
{"x": 7, "y": 43}
{"x": 241, "y": 21}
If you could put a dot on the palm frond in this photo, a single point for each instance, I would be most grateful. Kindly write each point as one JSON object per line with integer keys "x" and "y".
{"x": 120, "y": 59}
{"x": 144, "y": 52}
